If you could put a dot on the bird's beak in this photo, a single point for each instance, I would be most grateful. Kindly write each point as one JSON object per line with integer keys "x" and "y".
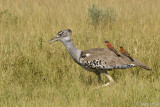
{"x": 56, "y": 38}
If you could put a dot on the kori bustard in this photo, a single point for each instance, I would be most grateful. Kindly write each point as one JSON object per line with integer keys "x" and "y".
{"x": 96, "y": 60}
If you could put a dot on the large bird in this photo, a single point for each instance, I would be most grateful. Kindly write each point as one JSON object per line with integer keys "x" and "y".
{"x": 96, "y": 60}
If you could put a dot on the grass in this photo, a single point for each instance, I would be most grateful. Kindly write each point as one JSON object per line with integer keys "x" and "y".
{"x": 34, "y": 73}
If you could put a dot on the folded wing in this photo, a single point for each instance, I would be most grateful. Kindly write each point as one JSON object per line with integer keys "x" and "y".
{"x": 100, "y": 58}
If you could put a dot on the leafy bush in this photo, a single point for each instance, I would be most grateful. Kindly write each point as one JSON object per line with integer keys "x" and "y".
{"x": 99, "y": 16}
{"x": 94, "y": 14}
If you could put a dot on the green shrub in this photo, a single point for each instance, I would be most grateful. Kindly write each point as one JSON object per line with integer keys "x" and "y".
{"x": 94, "y": 14}
{"x": 99, "y": 16}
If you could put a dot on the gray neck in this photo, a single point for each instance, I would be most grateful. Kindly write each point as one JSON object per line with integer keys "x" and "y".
{"x": 73, "y": 51}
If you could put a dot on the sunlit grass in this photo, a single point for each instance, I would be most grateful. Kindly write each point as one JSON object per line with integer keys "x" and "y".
{"x": 34, "y": 73}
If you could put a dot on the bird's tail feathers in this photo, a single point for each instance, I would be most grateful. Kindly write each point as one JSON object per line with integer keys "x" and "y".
{"x": 140, "y": 64}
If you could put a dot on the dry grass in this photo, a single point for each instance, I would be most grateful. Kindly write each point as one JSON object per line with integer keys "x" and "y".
{"x": 34, "y": 73}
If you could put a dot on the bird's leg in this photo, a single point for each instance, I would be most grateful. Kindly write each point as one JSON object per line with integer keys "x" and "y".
{"x": 110, "y": 79}
{"x": 99, "y": 76}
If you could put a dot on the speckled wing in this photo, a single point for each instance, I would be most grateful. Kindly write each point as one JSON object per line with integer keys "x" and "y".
{"x": 100, "y": 58}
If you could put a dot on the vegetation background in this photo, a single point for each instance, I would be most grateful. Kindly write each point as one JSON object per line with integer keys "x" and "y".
{"x": 34, "y": 73}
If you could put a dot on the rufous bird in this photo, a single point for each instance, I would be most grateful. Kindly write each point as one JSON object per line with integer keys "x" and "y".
{"x": 124, "y": 52}
{"x": 110, "y": 47}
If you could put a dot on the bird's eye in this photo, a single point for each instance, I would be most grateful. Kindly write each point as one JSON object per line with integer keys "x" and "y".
{"x": 60, "y": 32}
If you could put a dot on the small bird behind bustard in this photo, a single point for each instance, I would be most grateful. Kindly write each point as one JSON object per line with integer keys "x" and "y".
{"x": 124, "y": 52}
{"x": 96, "y": 60}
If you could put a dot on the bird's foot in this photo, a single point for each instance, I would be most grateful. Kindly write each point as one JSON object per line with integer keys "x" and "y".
{"x": 104, "y": 85}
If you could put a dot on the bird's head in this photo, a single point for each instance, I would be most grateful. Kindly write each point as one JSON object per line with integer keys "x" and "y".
{"x": 62, "y": 36}
{"x": 121, "y": 47}
{"x": 106, "y": 41}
